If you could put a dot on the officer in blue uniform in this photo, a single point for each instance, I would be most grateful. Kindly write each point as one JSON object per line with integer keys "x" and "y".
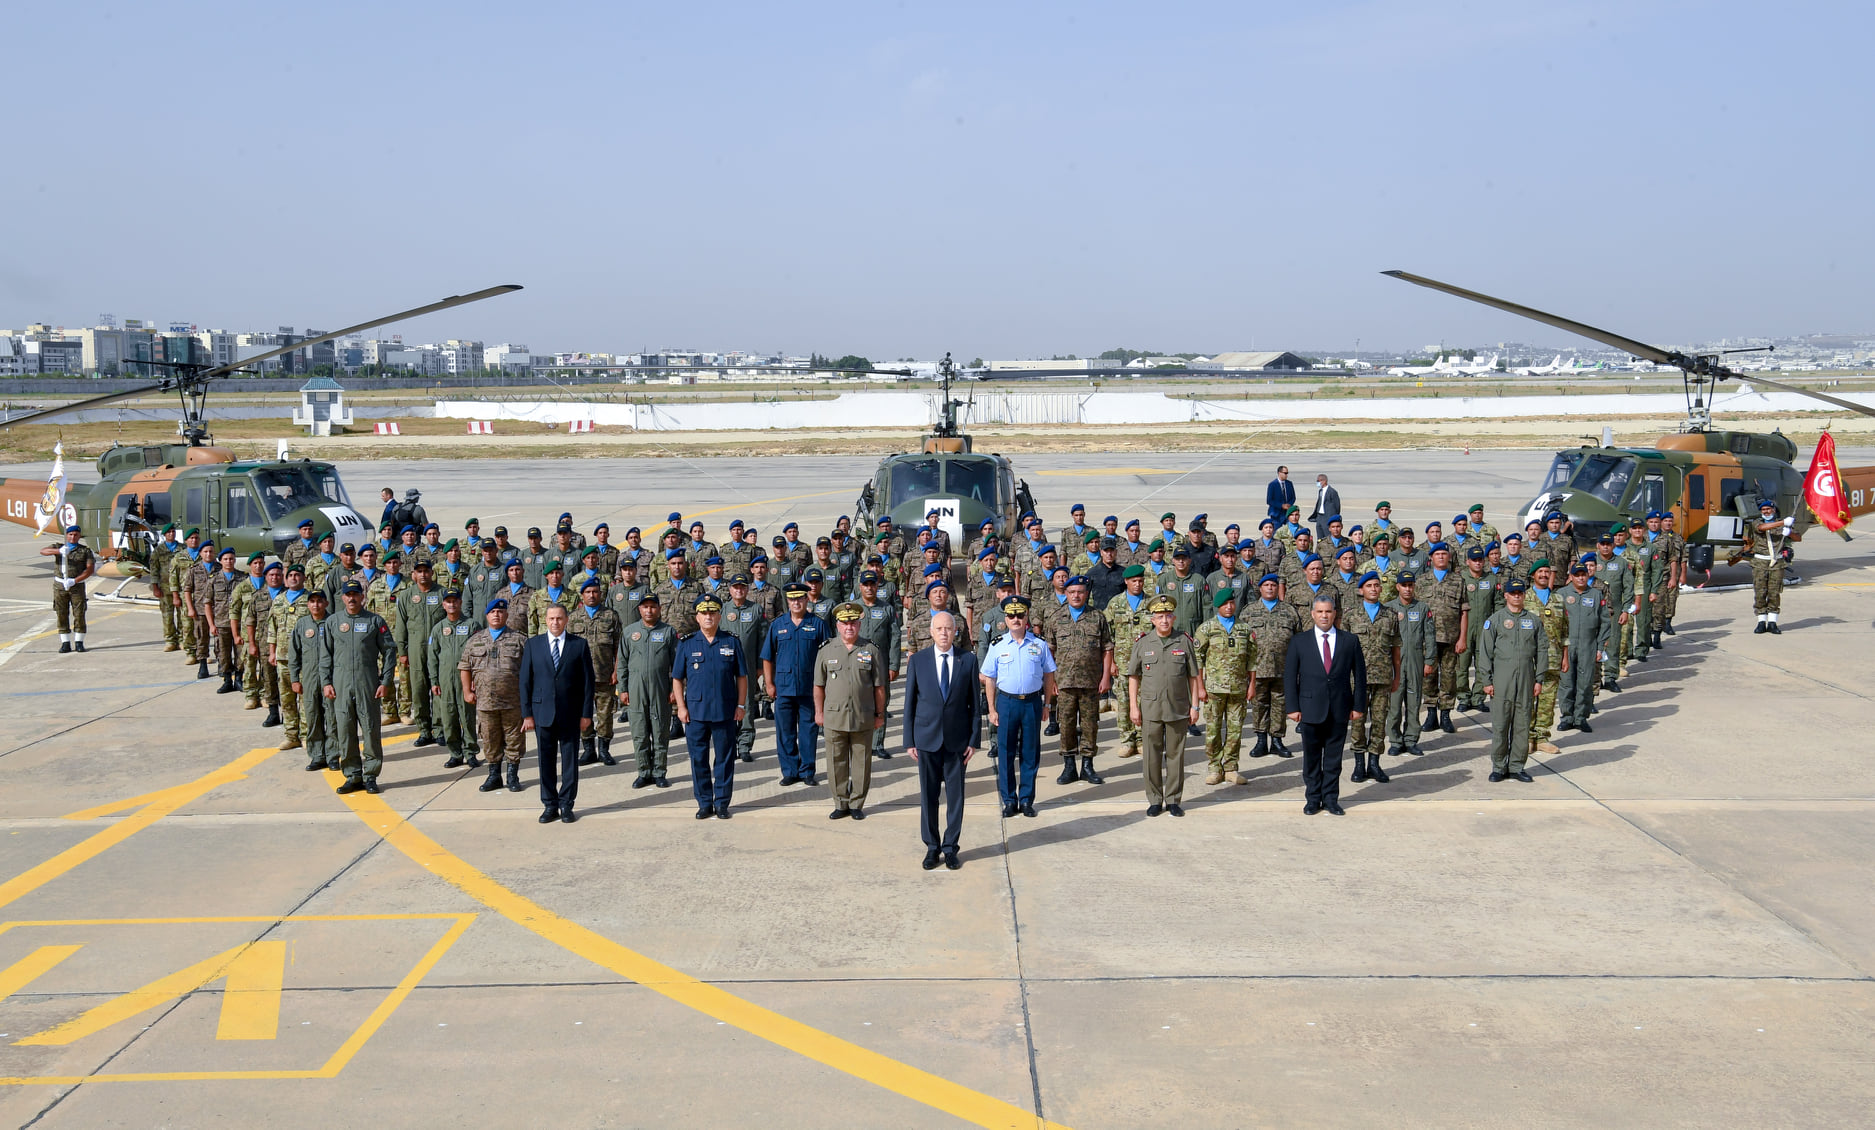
{"x": 711, "y": 676}
{"x": 788, "y": 669}
{"x": 1018, "y": 679}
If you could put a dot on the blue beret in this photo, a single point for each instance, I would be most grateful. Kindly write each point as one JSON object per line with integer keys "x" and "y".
{"x": 1585, "y": 559}
{"x": 1072, "y": 509}
{"x": 432, "y": 526}
{"x": 1354, "y": 529}
{"x": 987, "y": 552}
{"x": 736, "y": 524}
{"x": 406, "y": 529}
{"x": 1513, "y": 536}
{"x": 670, "y": 553}
{"x": 1461, "y": 518}
{"x": 74, "y": 529}
{"x": 1270, "y": 522}
{"x": 1431, "y": 526}
{"x": 1046, "y": 549}
{"x": 1552, "y": 514}
{"x": 1370, "y": 575}
{"x": 673, "y": 516}
{"x": 940, "y": 583}
{"x": 1491, "y": 546}
{"x": 1077, "y": 580}
{"x": 1025, "y": 513}
{"x": 305, "y": 523}
{"x": 1246, "y": 544}
{"x": 791, "y": 526}
{"x": 591, "y": 583}
{"x": 602, "y": 526}
{"x": 1269, "y": 578}
{"x": 634, "y": 530}
{"x": 1199, "y": 517}
{"x": 1307, "y": 559}
{"x": 1131, "y": 523}
{"x": 1110, "y": 518}
{"x": 1437, "y": 546}
{"x": 713, "y": 561}
{"x": 934, "y": 567}
{"x": 500, "y": 602}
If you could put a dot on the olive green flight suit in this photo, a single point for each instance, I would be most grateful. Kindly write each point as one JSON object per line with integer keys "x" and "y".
{"x": 1515, "y": 651}
{"x": 358, "y": 657}
{"x": 455, "y": 718}
{"x": 1418, "y": 651}
{"x": 302, "y": 658}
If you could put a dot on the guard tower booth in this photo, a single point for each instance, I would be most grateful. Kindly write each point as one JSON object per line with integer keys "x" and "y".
{"x": 322, "y": 407}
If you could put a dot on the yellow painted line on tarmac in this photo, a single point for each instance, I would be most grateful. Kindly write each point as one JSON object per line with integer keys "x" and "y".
{"x": 29, "y": 968}
{"x": 862, "y": 1063}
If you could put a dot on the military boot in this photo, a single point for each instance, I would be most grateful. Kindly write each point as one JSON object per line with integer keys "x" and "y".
{"x": 605, "y": 752}
{"x": 1360, "y": 768}
{"x": 1375, "y": 771}
{"x": 455, "y": 759}
{"x": 586, "y": 754}
{"x": 65, "y": 647}
{"x": 1655, "y": 642}
{"x": 1668, "y": 628}
{"x": 272, "y": 719}
{"x": 1432, "y": 718}
{"x": 1445, "y": 722}
{"x": 1278, "y": 748}
{"x": 292, "y": 742}
{"x": 1052, "y": 728}
{"x": 1214, "y": 776}
{"x": 494, "y": 777}
{"x": 1235, "y": 778}
{"x": 514, "y": 777}
{"x": 1088, "y": 774}
{"x": 227, "y": 685}
{"x": 1395, "y": 750}
{"x": 1262, "y": 748}
{"x": 1068, "y": 773}
{"x": 173, "y": 646}
{"x": 201, "y": 669}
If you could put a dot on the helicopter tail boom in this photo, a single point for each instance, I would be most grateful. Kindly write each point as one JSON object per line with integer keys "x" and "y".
{"x": 38, "y": 505}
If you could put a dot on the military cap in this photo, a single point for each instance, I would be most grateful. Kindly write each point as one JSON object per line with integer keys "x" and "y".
{"x": 1270, "y": 522}
{"x": 316, "y": 594}
{"x": 592, "y": 583}
{"x": 1515, "y": 584}
{"x": 885, "y": 520}
{"x": 1352, "y": 530}
{"x": 1475, "y": 553}
{"x": 673, "y": 516}
{"x": 707, "y": 562}
{"x": 1077, "y": 508}
{"x": 167, "y": 527}
{"x": 1334, "y": 517}
{"x": 1370, "y": 575}
{"x": 1306, "y": 559}
{"x": 1168, "y": 514}
{"x": 1345, "y": 550}
{"x": 937, "y": 583}
{"x": 1015, "y": 606}
{"x": 1229, "y": 547}
{"x": 1579, "y": 567}
{"x": 823, "y": 540}
{"x": 932, "y": 569}
{"x": 1005, "y": 581}
{"x": 329, "y": 535}
{"x": 1618, "y": 528}
{"x": 1460, "y": 518}
{"x": 869, "y": 578}
{"x": 1108, "y": 541}
{"x": 758, "y": 556}
{"x": 1156, "y": 545}
{"x": 1540, "y": 563}
{"x": 1380, "y": 536}
{"x": 432, "y": 526}
{"x": 1269, "y": 579}
{"x": 1222, "y": 597}
{"x": 1475, "y": 508}
{"x": 1767, "y": 504}
{"x": 452, "y": 543}
{"x": 739, "y": 579}
{"x": 1057, "y": 569}
{"x": 1406, "y": 577}
{"x": 1132, "y": 571}
{"x": 1586, "y": 559}
{"x": 533, "y": 531}
{"x": 555, "y": 565}
{"x": 422, "y": 563}
{"x": 351, "y": 587}
{"x": 305, "y": 523}
{"x": 1383, "y": 505}
{"x": 1201, "y": 518}
{"x": 1607, "y": 537}
{"x": 1309, "y": 534}
{"x": 1161, "y": 603}
{"x": 875, "y": 559}
{"x": 707, "y": 604}
{"x": 1293, "y": 509}
{"x": 672, "y": 553}
{"x": 1489, "y": 546}
{"x": 987, "y": 524}
{"x": 1194, "y": 524}
{"x": 779, "y": 540}
{"x": 1024, "y": 517}
{"x": 1182, "y": 551}
{"x": 1431, "y": 526}
{"x": 650, "y": 598}
{"x": 813, "y": 575}
{"x": 1557, "y": 514}
{"x": 271, "y": 568}
{"x": 1132, "y": 523}
{"x": 1513, "y": 536}
{"x": 848, "y": 611}
{"x": 795, "y": 589}
{"x": 986, "y": 552}
{"x": 1046, "y": 550}
{"x": 251, "y": 558}
{"x": 348, "y": 547}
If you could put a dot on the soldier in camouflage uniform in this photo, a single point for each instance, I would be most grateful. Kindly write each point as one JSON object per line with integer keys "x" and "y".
{"x": 1483, "y": 596}
{"x": 1383, "y": 562}
{"x": 1127, "y": 620}
{"x": 1312, "y": 583}
{"x": 1516, "y": 657}
{"x": 1226, "y": 655}
{"x": 608, "y": 553}
{"x": 1541, "y": 599}
{"x": 1666, "y": 552}
{"x": 1378, "y": 629}
{"x": 162, "y": 560}
{"x": 1451, "y": 626}
{"x": 677, "y": 595}
{"x": 748, "y": 622}
{"x": 247, "y": 668}
{"x": 286, "y": 611}
{"x": 1764, "y": 545}
{"x": 1615, "y": 575}
{"x": 595, "y": 622}
{"x": 490, "y": 672}
{"x": 1590, "y": 626}
{"x": 455, "y": 719}
{"x": 357, "y": 666}
{"x": 1480, "y": 529}
{"x": 382, "y": 598}
{"x": 215, "y": 595}
{"x": 1082, "y": 641}
{"x": 1419, "y": 656}
{"x": 300, "y": 661}
{"x": 1513, "y": 562}
{"x": 1272, "y": 622}
{"x": 554, "y": 591}
{"x": 257, "y": 629}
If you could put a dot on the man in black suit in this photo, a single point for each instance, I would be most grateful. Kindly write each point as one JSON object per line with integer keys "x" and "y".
{"x": 943, "y": 722}
{"x": 1325, "y": 679}
{"x": 556, "y": 703}
{"x": 1280, "y": 495}
{"x": 1327, "y": 506}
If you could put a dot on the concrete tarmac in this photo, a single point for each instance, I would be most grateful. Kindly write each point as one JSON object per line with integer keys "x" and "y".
{"x": 1671, "y": 926}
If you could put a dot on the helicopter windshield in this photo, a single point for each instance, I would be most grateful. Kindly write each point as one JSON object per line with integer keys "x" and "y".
{"x": 974, "y": 479}
{"x": 914, "y": 478}
{"x": 1560, "y": 468}
{"x": 1604, "y": 476}
{"x": 283, "y": 490}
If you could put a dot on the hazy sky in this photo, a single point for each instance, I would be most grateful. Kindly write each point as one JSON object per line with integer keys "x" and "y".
{"x": 1004, "y": 180}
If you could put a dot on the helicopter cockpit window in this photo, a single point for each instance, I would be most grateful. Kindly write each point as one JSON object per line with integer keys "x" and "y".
{"x": 329, "y": 485}
{"x": 971, "y": 479}
{"x": 240, "y": 508}
{"x": 914, "y": 478}
{"x": 286, "y": 489}
{"x": 1560, "y": 468}
{"x": 1604, "y": 476}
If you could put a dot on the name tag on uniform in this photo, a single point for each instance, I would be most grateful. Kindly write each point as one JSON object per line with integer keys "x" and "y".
{"x": 658, "y": 636}
{"x": 1529, "y": 623}
{"x": 725, "y": 651}
{"x": 463, "y": 631}
{"x": 1413, "y": 616}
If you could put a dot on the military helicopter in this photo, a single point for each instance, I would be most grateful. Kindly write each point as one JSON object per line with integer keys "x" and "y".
{"x": 947, "y": 476}
{"x": 251, "y": 506}
{"x": 1708, "y": 481}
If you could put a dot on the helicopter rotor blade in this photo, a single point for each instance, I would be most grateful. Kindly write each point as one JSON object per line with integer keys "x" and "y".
{"x": 1637, "y": 348}
{"x": 93, "y": 402}
{"x": 451, "y": 302}
{"x": 1801, "y": 391}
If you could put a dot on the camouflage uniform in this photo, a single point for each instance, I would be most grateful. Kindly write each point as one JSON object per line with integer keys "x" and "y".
{"x": 601, "y": 631}
{"x": 382, "y": 599}
{"x": 1126, "y": 624}
{"x": 1483, "y": 596}
{"x": 1672, "y": 556}
{"x": 1226, "y": 657}
{"x": 1271, "y": 628}
{"x": 1080, "y": 648}
{"x": 680, "y": 604}
{"x": 1556, "y": 636}
{"x": 173, "y": 582}
{"x": 1448, "y": 603}
{"x": 162, "y": 559}
{"x": 879, "y": 626}
{"x": 494, "y": 667}
{"x": 1380, "y": 646}
{"x": 283, "y": 613}
{"x": 246, "y": 663}
{"x": 1636, "y": 634}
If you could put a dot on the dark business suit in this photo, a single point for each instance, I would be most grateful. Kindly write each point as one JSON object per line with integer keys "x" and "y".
{"x": 1280, "y": 496}
{"x": 941, "y": 727}
{"x": 1325, "y": 698}
{"x": 557, "y": 699}
{"x": 1327, "y": 505}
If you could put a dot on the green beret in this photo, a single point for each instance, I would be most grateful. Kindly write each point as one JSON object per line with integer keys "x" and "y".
{"x": 1475, "y": 508}
{"x": 1539, "y": 563}
{"x": 1222, "y": 597}
{"x": 1383, "y": 505}
{"x": 1168, "y": 514}
{"x": 253, "y": 557}
{"x": 472, "y": 522}
{"x": 1133, "y": 571}
{"x": 393, "y": 555}
{"x": 1617, "y": 528}
{"x": 450, "y": 544}
{"x": 167, "y": 528}
{"x": 192, "y": 532}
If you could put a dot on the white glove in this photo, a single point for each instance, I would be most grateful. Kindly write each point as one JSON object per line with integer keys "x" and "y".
{"x": 68, "y": 582}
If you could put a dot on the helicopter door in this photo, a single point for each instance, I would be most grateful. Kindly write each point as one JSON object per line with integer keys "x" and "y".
{"x": 1695, "y": 516}
{"x": 1724, "y": 524}
{"x": 1653, "y": 493}
{"x": 192, "y": 507}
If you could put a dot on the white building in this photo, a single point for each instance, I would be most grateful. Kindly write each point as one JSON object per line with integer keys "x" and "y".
{"x": 12, "y": 357}
{"x": 513, "y": 358}
{"x": 459, "y": 357}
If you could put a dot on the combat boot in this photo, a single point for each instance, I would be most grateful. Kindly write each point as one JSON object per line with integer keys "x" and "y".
{"x": 78, "y": 646}
{"x": 1128, "y": 751}
{"x": 292, "y": 742}
{"x": 1262, "y": 748}
{"x": 252, "y": 703}
{"x": 1235, "y": 778}
{"x": 227, "y": 685}
{"x": 423, "y": 740}
{"x": 1445, "y": 722}
{"x": 1278, "y": 748}
{"x": 1395, "y": 750}
{"x": 1432, "y": 718}
{"x": 1088, "y": 774}
{"x": 1214, "y": 776}
{"x": 173, "y": 646}
{"x": 455, "y": 759}
{"x": 494, "y": 777}
{"x": 586, "y": 754}
{"x": 1548, "y": 747}
{"x": 514, "y": 777}
{"x": 1655, "y": 642}
{"x": 1610, "y": 685}
{"x": 1415, "y": 750}
{"x": 201, "y": 669}
{"x": 1360, "y": 768}
{"x": 272, "y": 719}
{"x": 1668, "y": 628}
{"x": 1375, "y": 771}
{"x": 1068, "y": 773}
{"x": 605, "y": 752}
{"x": 391, "y": 715}
{"x": 1052, "y": 728}
{"x": 65, "y": 647}
{"x": 1771, "y": 628}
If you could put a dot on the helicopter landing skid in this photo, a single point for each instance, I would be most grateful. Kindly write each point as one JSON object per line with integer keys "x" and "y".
{"x": 117, "y": 594}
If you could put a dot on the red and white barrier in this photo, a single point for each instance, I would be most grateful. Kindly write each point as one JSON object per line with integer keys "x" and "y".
{"x": 481, "y": 427}
{"x": 579, "y": 426}
{"x": 389, "y": 429}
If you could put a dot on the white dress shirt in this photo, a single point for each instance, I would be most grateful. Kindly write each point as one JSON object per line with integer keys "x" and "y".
{"x": 1325, "y": 639}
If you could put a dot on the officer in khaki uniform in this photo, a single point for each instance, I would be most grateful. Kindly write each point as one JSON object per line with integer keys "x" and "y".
{"x": 1515, "y": 653}
{"x": 1165, "y": 691}
{"x": 1227, "y": 654}
{"x": 1378, "y": 629}
{"x": 490, "y": 670}
{"x": 1128, "y": 620}
{"x": 455, "y": 719}
{"x": 1082, "y": 641}
{"x": 597, "y": 624}
{"x": 849, "y": 705}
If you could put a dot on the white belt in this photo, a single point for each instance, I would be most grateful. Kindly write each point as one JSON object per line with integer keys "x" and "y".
{"x": 1761, "y": 556}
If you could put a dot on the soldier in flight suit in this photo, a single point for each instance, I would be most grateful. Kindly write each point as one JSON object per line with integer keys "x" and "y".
{"x": 301, "y": 659}
{"x": 455, "y": 718}
{"x": 1516, "y": 654}
{"x": 358, "y": 669}
{"x": 1419, "y": 655}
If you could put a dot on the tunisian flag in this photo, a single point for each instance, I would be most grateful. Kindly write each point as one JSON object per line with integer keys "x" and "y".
{"x": 1822, "y": 486}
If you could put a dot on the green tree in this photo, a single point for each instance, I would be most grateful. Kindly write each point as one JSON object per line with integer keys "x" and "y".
{"x": 852, "y": 361}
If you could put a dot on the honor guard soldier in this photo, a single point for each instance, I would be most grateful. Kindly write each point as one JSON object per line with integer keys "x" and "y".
{"x": 1516, "y": 653}
{"x": 1082, "y": 642}
{"x": 490, "y": 672}
{"x": 597, "y": 624}
{"x": 644, "y": 681}
{"x": 1451, "y": 626}
{"x": 358, "y": 668}
{"x": 455, "y": 718}
{"x": 300, "y": 661}
{"x": 879, "y": 626}
{"x": 1590, "y": 627}
{"x": 1272, "y": 622}
{"x": 849, "y": 707}
{"x": 710, "y": 680}
{"x": 1483, "y": 596}
{"x": 1419, "y": 656}
{"x": 1164, "y": 692}
{"x": 1018, "y": 674}
{"x": 1765, "y": 544}
{"x": 1226, "y": 654}
{"x": 1378, "y": 629}
{"x": 748, "y": 622}
{"x": 1128, "y": 620}
{"x": 788, "y": 668}
{"x": 76, "y": 565}
{"x": 418, "y": 610}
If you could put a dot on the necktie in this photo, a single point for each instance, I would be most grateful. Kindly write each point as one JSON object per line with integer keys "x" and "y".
{"x": 944, "y": 676}
{"x": 1328, "y": 658}
{"x": 556, "y": 651}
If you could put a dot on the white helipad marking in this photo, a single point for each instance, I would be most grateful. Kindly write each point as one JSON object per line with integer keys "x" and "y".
{"x": 19, "y": 644}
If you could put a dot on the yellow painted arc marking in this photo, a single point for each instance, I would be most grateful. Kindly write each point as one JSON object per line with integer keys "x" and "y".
{"x": 862, "y": 1063}
{"x": 31, "y": 967}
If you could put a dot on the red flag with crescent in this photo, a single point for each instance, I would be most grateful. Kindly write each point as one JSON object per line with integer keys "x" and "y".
{"x": 1822, "y": 486}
